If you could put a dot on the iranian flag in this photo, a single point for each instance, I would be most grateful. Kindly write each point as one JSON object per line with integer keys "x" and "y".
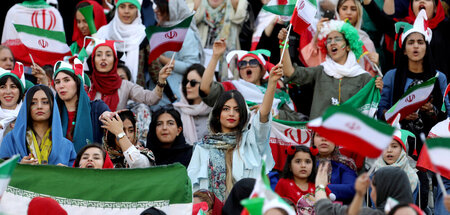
{"x": 304, "y": 15}
{"x": 263, "y": 197}
{"x": 435, "y": 156}
{"x": 444, "y": 108}
{"x": 414, "y": 98}
{"x": 284, "y": 134}
{"x": 6, "y": 170}
{"x": 367, "y": 99}
{"x": 280, "y": 7}
{"x": 346, "y": 127}
{"x": 37, "y": 30}
{"x": 101, "y": 191}
{"x": 164, "y": 39}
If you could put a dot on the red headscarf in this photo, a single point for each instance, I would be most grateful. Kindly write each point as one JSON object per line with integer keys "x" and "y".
{"x": 45, "y": 205}
{"x": 99, "y": 20}
{"x": 106, "y": 83}
{"x": 433, "y": 22}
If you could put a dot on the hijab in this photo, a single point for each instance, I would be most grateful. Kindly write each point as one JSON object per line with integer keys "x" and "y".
{"x": 391, "y": 182}
{"x": 433, "y": 22}
{"x": 107, "y": 83}
{"x": 241, "y": 190}
{"x": 131, "y": 34}
{"x": 99, "y": 20}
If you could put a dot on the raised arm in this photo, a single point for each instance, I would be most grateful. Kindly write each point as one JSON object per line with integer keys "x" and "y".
{"x": 288, "y": 69}
{"x": 275, "y": 74}
{"x": 361, "y": 185}
{"x": 219, "y": 48}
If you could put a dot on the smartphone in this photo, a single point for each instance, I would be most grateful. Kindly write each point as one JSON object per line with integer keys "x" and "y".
{"x": 328, "y": 14}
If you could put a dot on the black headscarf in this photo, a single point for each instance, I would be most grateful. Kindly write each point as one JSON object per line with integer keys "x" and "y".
{"x": 391, "y": 182}
{"x": 241, "y": 190}
{"x": 180, "y": 151}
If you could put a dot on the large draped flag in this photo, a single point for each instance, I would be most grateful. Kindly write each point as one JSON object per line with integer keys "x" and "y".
{"x": 164, "y": 39}
{"x": 280, "y": 7}
{"x": 263, "y": 197}
{"x": 435, "y": 156}
{"x": 283, "y": 134}
{"x": 367, "y": 99}
{"x": 6, "y": 170}
{"x": 36, "y": 30}
{"x": 346, "y": 127}
{"x": 411, "y": 100}
{"x": 101, "y": 191}
{"x": 304, "y": 15}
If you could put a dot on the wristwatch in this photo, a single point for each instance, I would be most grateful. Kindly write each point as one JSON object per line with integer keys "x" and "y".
{"x": 120, "y": 135}
{"x": 162, "y": 85}
{"x": 320, "y": 187}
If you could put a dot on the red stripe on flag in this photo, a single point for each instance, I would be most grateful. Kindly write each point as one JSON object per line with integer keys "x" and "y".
{"x": 349, "y": 141}
{"x": 298, "y": 24}
{"x": 424, "y": 163}
{"x": 21, "y": 53}
{"x": 164, "y": 47}
{"x": 447, "y": 89}
{"x": 404, "y": 112}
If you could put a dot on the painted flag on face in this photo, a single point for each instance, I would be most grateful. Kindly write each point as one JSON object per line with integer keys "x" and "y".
{"x": 347, "y": 127}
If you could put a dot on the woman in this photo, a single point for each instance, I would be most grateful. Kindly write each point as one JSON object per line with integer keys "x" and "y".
{"x": 386, "y": 182}
{"x": 252, "y": 67}
{"x": 37, "y": 135}
{"x": 12, "y": 89}
{"x": 350, "y": 10}
{"x": 6, "y": 58}
{"x": 219, "y": 19}
{"x": 166, "y": 138}
{"x": 121, "y": 143}
{"x": 194, "y": 112}
{"x": 342, "y": 172}
{"x": 92, "y": 156}
{"x": 232, "y": 142}
{"x": 339, "y": 77}
{"x": 127, "y": 26}
{"x": 83, "y": 26}
{"x": 115, "y": 92}
{"x": 79, "y": 115}
{"x": 436, "y": 22}
{"x": 169, "y": 13}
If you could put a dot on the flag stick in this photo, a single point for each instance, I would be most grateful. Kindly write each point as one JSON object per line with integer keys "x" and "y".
{"x": 372, "y": 168}
{"x": 441, "y": 184}
{"x": 32, "y": 61}
{"x": 173, "y": 57}
{"x": 286, "y": 41}
{"x": 374, "y": 66}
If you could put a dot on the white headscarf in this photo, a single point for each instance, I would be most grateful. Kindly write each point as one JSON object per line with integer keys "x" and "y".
{"x": 351, "y": 68}
{"x": 131, "y": 35}
{"x": 6, "y": 117}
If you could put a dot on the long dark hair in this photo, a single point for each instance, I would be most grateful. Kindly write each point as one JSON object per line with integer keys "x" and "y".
{"x": 61, "y": 102}
{"x": 124, "y": 114}
{"x": 152, "y": 138}
{"x": 429, "y": 71}
{"x": 214, "y": 123}
{"x": 287, "y": 172}
{"x": 3, "y": 81}
{"x": 29, "y": 98}
{"x": 200, "y": 69}
{"x": 86, "y": 147}
{"x": 163, "y": 7}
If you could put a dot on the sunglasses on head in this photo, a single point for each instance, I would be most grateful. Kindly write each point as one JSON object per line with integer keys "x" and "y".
{"x": 193, "y": 82}
{"x": 252, "y": 63}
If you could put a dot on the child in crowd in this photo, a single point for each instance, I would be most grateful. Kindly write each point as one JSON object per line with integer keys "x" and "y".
{"x": 92, "y": 156}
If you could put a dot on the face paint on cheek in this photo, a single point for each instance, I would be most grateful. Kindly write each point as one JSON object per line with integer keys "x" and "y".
{"x": 343, "y": 46}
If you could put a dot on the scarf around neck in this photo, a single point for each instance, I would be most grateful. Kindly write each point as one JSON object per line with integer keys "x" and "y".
{"x": 433, "y": 22}
{"x": 131, "y": 36}
{"x": 351, "y": 68}
{"x": 6, "y": 117}
{"x": 99, "y": 20}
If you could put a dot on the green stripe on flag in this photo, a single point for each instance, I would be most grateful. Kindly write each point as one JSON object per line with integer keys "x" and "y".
{"x": 282, "y": 10}
{"x": 150, "y": 30}
{"x": 169, "y": 183}
{"x": 55, "y": 35}
{"x": 295, "y": 124}
{"x": 7, "y": 167}
{"x": 348, "y": 110}
{"x": 434, "y": 143}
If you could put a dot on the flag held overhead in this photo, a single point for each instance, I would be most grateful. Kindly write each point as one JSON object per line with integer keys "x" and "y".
{"x": 347, "y": 127}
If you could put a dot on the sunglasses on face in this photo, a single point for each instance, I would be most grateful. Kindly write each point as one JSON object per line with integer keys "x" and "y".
{"x": 252, "y": 63}
{"x": 334, "y": 40}
{"x": 193, "y": 82}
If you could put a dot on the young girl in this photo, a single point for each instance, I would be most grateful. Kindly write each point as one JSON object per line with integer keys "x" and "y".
{"x": 233, "y": 150}
{"x": 93, "y": 156}
{"x": 396, "y": 155}
{"x": 298, "y": 175}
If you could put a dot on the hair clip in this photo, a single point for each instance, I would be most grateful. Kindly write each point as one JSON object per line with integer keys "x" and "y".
{"x": 291, "y": 150}
{"x": 314, "y": 150}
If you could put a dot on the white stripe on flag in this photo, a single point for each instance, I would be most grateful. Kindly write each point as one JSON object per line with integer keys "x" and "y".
{"x": 440, "y": 156}
{"x": 43, "y": 43}
{"x": 175, "y": 35}
{"x": 356, "y": 127}
{"x": 417, "y": 96}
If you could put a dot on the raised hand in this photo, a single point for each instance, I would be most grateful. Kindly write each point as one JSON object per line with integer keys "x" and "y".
{"x": 219, "y": 47}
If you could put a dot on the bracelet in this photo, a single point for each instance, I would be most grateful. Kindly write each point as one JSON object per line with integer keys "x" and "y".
{"x": 162, "y": 85}
{"x": 281, "y": 42}
{"x": 320, "y": 187}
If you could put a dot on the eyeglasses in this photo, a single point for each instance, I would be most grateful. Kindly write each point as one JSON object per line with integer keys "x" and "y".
{"x": 334, "y": 40}
{"x": 193, "y": 82}
{"x": 252, "y": 63}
